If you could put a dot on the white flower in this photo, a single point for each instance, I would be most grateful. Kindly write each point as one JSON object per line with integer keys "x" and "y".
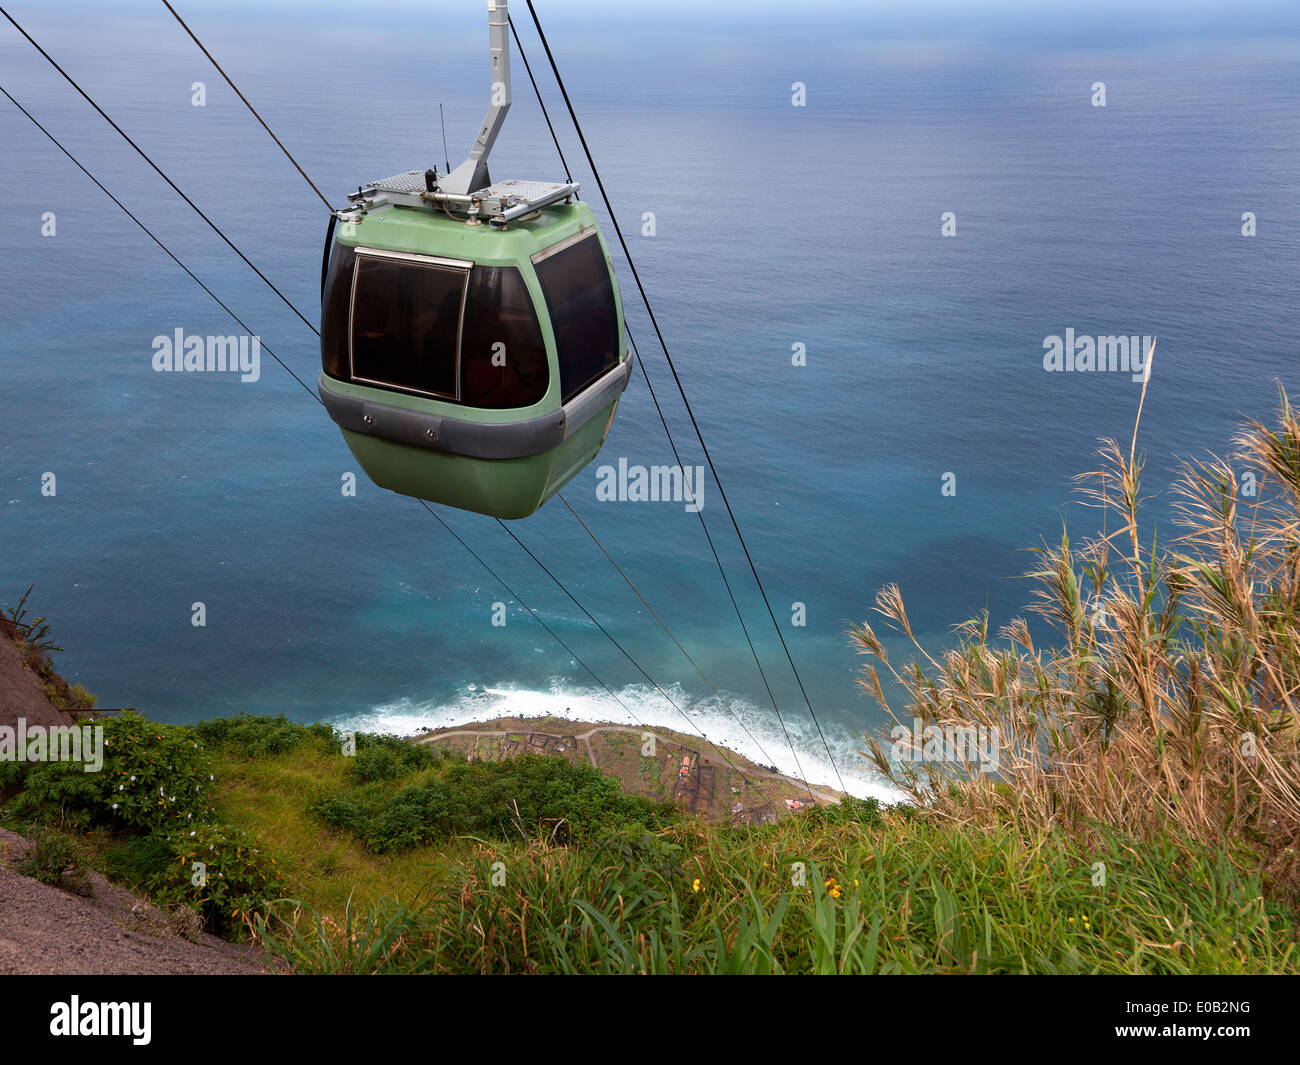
{"x": 191, "y": 833}
{"x": 114, "y": 806}
{"x": 132, "y": 776}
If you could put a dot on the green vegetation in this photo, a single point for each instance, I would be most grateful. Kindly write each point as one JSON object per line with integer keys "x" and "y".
{"x": 243, "y": 736}
{"x": 155, "y": 780}
{"x": 631, "y": 888}
{"x": 906, "y": 896}
{"x": 495, "y": 799}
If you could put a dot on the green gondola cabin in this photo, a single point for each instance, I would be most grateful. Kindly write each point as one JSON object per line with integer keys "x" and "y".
{"x": 472, "y": 343}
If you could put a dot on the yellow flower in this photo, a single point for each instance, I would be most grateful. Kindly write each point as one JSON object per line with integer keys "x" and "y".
{"x": 696, "y": 886}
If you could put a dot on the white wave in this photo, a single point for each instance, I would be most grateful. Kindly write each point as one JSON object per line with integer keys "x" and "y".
{"x": 760, "y": 739}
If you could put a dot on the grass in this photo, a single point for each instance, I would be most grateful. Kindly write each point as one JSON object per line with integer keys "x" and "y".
{"x": 856, "y": 888}
{"x": 266, "y": 795}
{"x": 908, "y": 896}
{"x": 882, "y": 890}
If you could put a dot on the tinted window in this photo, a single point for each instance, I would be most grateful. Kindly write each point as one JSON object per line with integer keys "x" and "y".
{"x": 334, "y": 312}
{"x": 406, "y": 324}
{"x": 499, "y": 311}
{"x": 580, "y": 298}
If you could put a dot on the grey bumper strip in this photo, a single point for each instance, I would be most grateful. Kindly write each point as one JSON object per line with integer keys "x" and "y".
{"x": 510, "y": 440}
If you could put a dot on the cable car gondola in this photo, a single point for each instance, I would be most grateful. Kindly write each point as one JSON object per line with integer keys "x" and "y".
{"x": 472, "y": 343}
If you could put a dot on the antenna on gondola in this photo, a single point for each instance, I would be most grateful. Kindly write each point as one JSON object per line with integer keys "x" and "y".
{"x": 446, "y": 157}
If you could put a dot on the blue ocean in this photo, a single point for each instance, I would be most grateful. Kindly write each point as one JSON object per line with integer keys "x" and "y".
{"x": 872, "y": 391}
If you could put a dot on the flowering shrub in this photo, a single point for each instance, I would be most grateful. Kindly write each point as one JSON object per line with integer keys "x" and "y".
{"x": 219, "y": 871}
{"x": 155, "y": 778}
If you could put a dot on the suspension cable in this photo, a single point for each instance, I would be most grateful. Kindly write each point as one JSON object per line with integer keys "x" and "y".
{"x": 672, "y": 702}
{"x": 680, "y": 387}
{"x": 672, "y": 443}
{"x": 157, "y": 169}
{"x": 149, "y": 233}
{"x": 250, "y": 107}
{"x": 718, "y": 750}
{"x": 664, "y": 625}
{"x": 721, "y": 570}
{"x": 538, "y": 93}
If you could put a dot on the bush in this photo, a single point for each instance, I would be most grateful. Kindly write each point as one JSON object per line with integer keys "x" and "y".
{"x": 55, "y": 860}
{"x": 250, "y": 735}
{"x": 154, "y": 789}
{"x": 388, "y": 757}
{"x": 155, "y": 778}
{"x": 850, "y": 810}
{"x": 636, "y": 848}
{"x": 1168, "y": 702}
{"x": 520, "y": 796}
{"x": 219, "y": 871}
